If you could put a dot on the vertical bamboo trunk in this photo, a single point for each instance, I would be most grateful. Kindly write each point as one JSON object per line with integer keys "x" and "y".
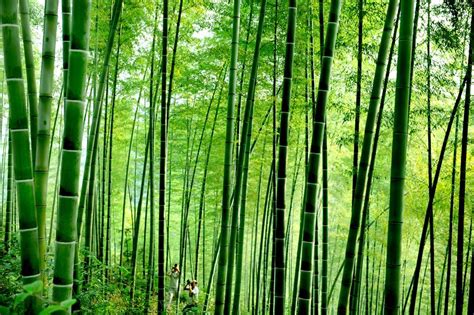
{"x": 66, "y": 37}
{"x": 30, "y": 74}
{"x": 241, "y": 234}
{"x": 325, "y": 220}
{"x": 378, "y": 283}
{"x": 325, "y": 227}
{"x": 240, "y": 88}
{"x": 466, "y": 264}
{"x": 267, "y": 306}
{"x": 462, "y": 174}
{"x": 274, "y": 163}
{"x": 103, "y": 174}
{"x": 163, "y": 161}
{"x": 20, "y": 142}
{"x": 8, "y": 208}
{"x": 43, "y": 137}
{"x": 289, "y": 224}
{"x": 211, "y": 276}
{"x": 294, "y": 295}
{"x": 315, "y": 292}
{"x": 262, "y": 236}
{"x": 145, "y": 229}
{"x": 399, "y": 148}
{"x": 358, "y": 96}
{"x": 109, "y": 197}
{"x": 87, "y": 197}
{"x": 136, "y": 228}
{"x": 56, "y": 181}
{"x": 88, "y": 177}
{"x": 451, "y": 220}
{"x": 148, "y": 267}
{"x": 125, "y": 190}
{"x": 313, "y": 182}
{"x": 254, "y": 264}
{"x": 201, "y": 214}
{"x": 227, "y": 181}
{"x": 240, "y": 193}
{"x": 355, "y": 288}
{"x": 173, "y": 58}
{"x": 279, "y": 223}
{"x": 430, "y": 166}
{"x": 66, "y": 230}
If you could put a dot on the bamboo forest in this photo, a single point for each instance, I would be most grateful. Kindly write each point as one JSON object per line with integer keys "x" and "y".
{"x": 236, "y": 157}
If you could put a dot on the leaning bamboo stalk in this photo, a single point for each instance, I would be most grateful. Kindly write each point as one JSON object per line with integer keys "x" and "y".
{"x": 367, "y": 148}
{"x": 436, "y": 177}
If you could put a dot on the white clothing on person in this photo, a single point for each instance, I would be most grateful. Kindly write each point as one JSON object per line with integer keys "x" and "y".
{"x": 174, "y": 280}
{"x": 195, "y": 293}
{"x": 173, "y": 288}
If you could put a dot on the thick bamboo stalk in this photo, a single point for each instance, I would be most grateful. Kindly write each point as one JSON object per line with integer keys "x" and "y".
{"x": 399, "y": 150}
{"x": 238, "y": 213}
{"x": 88, "y": 178}
{"x": 30, "y": 73}
{"x": 462, "y": 174}
{"x": 66, "y": 229}
{"x": 66, "y": 34}
{"x": 313, "y": 182}
{"x": 279, "y": 223}
{"x": 44, "y": 125}
{"x": 163, "y": 162}
{"x": 20, "y": 142}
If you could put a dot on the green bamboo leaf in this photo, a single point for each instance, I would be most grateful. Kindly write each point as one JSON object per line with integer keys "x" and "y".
{"x": 34, "y": 287}
{"x": 51, "y": 309}
{"x": 68, "y": 303}
{"x": 19, "y": 298}
{"x": 4, "y": 310}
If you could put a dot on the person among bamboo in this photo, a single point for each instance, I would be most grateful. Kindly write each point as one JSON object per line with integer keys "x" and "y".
{"x": 185, "y": 296}
{"x": 194, "y": 292}
{"x": 174, "y": 279}
{"x": 192, "y": 287}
